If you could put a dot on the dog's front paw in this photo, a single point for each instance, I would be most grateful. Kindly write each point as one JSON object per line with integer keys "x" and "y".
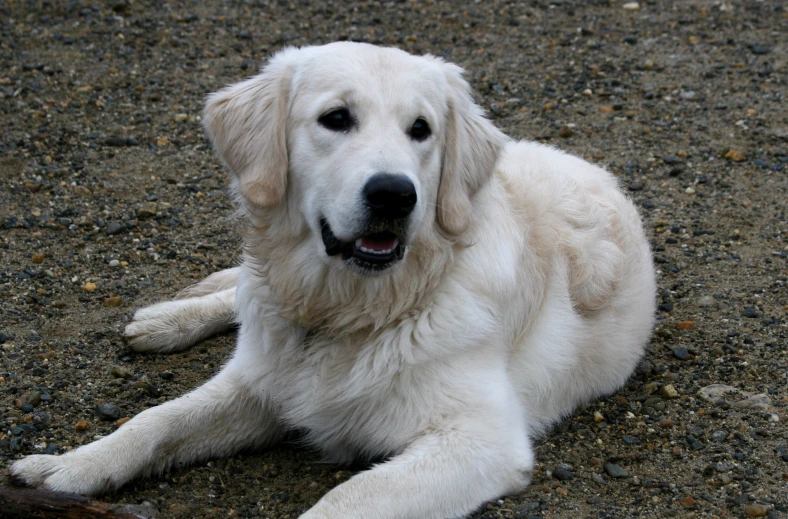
{"x": 163, "y": 327}
{"x": 65, "y": 473}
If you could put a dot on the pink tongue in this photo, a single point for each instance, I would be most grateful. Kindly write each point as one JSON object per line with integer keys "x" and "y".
{"x": 378, "y": 245}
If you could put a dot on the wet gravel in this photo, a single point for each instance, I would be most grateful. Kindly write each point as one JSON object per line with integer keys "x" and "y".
{"x": 110, "y": 199}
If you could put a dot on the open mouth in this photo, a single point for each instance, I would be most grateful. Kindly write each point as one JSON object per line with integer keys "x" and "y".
{"x": 374, "y": 251}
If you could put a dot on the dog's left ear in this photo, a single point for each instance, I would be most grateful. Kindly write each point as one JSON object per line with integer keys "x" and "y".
{"x": 471, "y": 149}
{"x": 247, "y": 124}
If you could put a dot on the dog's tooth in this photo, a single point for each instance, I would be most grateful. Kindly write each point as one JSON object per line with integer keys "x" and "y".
{"x": 358, "y": 243}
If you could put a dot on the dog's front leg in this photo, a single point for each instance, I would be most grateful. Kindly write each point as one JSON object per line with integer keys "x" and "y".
{"x": 219, "y": 418}
{"x": 447, "y": 472}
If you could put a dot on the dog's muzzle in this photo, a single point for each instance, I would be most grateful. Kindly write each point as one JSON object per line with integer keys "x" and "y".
{"x": 389, "y": 199}
{"x": 372, "y": 251}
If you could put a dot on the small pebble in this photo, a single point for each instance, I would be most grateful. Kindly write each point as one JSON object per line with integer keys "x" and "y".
{"x": 760, "y": 401}
{"x": 631, "y": 6}
{"x": 115, "y": 228}
{"x": 636, "y": 185}
{"x": 734, "y": 155}
{"x": 566, "y": 132}
{"x": 668, "y": 391}
{"x": 81, "y": 425}
{"x": 563, "y": 472}
{"x": 112, "y": 301}
{"x": 32, "y": 397}
{"x": 121, "y": 141}
{"x": 114, "y": 263}
{"x": 616, "y": 471}
{"x": 693, "y": 442}
{"x": 681, "y": 353}
{"x": 108, "y": 412}
{"x": 148, "y": 210}
{"x": 37, "y": 258}
{"x": 630, "y": 440}
{"x": 598, "y": 417}
{"x": 756, "y": 510}
{"x": 688, "y": 502}
{"x": 750, "y": 313}
{"x": 760, "y": 49}
{"x": 715, "y": 392}
{"x": 121, "y": 372}
{"x": 666, "y": 307}
{"x": 89, "y": 286}
{"x": 685, "y": 325}
{"x": 121, "y": 421}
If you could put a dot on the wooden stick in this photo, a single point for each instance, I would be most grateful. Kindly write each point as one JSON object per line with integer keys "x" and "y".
{"x": 45, "y": 504}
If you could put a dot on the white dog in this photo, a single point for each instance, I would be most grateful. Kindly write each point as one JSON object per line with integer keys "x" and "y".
{"x": 415, "y": 287}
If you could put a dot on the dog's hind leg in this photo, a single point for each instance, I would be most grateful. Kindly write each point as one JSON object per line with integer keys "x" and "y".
{"x": 176, "y": 325}
{"x": 216, "y": 282}
{"x": 218, "y": 419}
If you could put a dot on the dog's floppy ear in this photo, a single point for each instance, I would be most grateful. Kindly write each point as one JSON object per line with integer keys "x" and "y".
{"x": 470, "y": 151}
{"x": 247, "y": 124}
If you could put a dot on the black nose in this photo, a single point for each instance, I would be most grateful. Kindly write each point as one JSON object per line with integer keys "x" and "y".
{"x": 390, "y": 196}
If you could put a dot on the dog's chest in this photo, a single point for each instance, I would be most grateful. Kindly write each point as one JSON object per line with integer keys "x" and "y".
{"x": 353, "y": 400}
{"x": 366, "y": 403}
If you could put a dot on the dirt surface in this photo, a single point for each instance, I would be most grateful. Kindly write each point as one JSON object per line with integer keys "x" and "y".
{"x": 111, "y": 199}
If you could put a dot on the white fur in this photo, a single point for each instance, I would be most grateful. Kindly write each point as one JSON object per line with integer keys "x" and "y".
{"x": 527, "y": 289}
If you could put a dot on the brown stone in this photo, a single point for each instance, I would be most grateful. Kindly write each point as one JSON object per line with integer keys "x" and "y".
{"x": 112, "y": 301}
{"x": 756, "y": 510}
{"x": 688, "y": 502}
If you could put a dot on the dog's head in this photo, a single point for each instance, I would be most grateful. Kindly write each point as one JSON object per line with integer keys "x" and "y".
{"x": 372, "y": 147}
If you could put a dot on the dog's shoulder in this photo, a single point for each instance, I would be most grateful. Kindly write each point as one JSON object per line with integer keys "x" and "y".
{"x": 576, "y": 212}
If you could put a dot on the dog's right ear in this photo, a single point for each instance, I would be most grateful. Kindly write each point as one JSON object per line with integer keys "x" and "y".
{"x": 471, "y": 149}
{"x": 247, "y": 124}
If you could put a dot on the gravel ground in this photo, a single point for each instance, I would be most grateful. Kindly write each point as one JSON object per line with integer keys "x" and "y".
{"x": 111, "y": 199}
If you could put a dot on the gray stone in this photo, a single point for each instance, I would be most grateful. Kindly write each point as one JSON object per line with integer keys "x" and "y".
{"x": 115, "y": 228}
{"x": 525, "y": 510}
{"x": 715, "y": 392}
{"x": 616, "y": 471}
{"x": 120, "y": 372}
{"x": 760, "y": 401}
{"x": 148, "y": 210}
{"x": 563, "y": 472}
{"x": 108, "y": 412}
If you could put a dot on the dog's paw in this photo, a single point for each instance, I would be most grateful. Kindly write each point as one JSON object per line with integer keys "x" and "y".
{"x": 163, "y": 327}
{"x": 65, "y": 473}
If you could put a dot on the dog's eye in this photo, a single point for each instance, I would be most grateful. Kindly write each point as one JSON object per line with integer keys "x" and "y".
{"x": 338, "y": 120}
{"x": 420, "y": 130}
